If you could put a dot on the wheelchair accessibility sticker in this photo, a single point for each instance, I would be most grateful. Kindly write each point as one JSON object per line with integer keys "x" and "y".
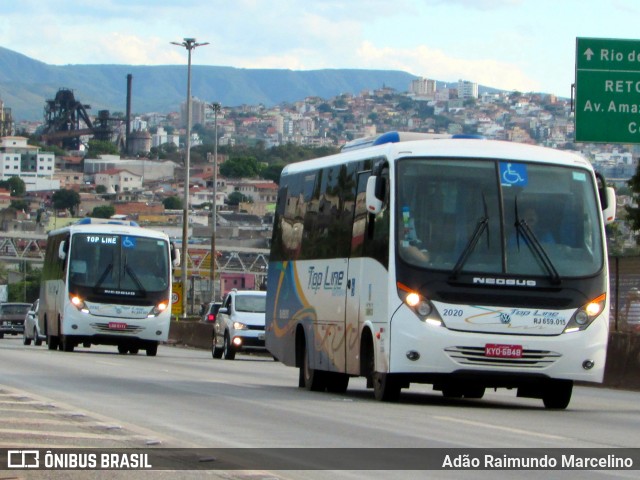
{"x": 128, "y": 242}
{"x": 513, "y": 174}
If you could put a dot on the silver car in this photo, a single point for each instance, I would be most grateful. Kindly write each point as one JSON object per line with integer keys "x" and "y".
{"x": 239, "y": 325}
{"x": 31, "y": 328}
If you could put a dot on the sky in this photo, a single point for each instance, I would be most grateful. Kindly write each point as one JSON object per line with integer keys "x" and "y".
{"x": 523, "y": 45}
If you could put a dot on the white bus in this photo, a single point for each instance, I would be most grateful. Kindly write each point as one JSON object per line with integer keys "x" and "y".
{"x": 107, "y": 282}
{"x": 421, "y": 261}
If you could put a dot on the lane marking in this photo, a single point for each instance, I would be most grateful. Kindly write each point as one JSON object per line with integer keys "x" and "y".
{"x": 517, "y": 431}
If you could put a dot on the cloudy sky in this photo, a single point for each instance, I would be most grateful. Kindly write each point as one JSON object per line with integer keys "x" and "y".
{"x": 526, "y": 45}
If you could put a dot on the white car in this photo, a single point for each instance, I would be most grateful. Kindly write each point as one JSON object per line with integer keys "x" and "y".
{"x": 239, "y": 325}
{"x": 31, "y": 329}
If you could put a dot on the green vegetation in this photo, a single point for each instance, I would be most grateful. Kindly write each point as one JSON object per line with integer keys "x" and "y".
{"x": 172, "y": 203}
{"x": 104, "y": 211}
{"x": 15, "y": 185}
{"x": 66, "y": 200}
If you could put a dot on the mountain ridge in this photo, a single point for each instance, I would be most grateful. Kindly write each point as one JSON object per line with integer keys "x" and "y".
{"x": 26, "y": 84}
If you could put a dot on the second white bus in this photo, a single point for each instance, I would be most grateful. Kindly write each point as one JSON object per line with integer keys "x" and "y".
{"x": 107, "y": 282}
{"x": 422, "y": 261}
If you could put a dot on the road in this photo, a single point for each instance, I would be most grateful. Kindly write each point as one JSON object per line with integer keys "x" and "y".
{"x": 184, "y": 399}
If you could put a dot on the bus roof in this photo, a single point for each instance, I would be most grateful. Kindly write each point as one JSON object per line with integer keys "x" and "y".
{"x": 114, "y": 228}
{"x": 447, "y": 148}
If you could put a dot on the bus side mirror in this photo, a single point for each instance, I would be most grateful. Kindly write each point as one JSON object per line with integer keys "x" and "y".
{"x": 62, "y": 250}
{"x": 609, "y": 206}
{"x": 175, "y": 256}
{"x": 375, "y": 194}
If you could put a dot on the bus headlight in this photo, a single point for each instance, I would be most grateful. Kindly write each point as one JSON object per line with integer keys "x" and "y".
{"x": 586, "y": 314}
{"x": 419, "y": 304}
{"x": 78, "y": 302}
{"x": 159, "y": 308}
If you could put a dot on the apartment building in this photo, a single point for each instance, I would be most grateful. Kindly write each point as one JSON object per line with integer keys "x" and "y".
{"x": 35, "y": 169}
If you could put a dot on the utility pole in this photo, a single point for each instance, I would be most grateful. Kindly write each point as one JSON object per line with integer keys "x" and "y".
{"x": 214, "y": 215}
{"x": 190, "y": 44}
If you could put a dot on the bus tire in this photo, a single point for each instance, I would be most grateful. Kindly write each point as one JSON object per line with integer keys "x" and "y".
{"x": 152, "y": 349}
{"x": 386, "y": 387}
{"x": 557, "y": 394}
{"x": 134, "y": 350}
{"x": 66, "y": 344}
{"x": 337, "y": 382}
{"x": 311, "y": 379}
{"x": 228, "y": 349}
{"x": 122, "y": 349}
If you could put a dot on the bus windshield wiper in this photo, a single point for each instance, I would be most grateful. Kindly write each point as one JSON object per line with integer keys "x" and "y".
{"x": 104, "y": 275}
{"x": 135, "y": 278}
{"x": 481, "y": 226}
{"x": 522, "y": 228}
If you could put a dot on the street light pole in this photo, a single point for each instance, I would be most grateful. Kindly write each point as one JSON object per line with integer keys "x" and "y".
{"x": 216, "y": 109}
{"x": 189, "y": 44}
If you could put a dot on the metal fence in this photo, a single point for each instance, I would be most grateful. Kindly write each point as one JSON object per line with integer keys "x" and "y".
{"x": 625, "y": 294}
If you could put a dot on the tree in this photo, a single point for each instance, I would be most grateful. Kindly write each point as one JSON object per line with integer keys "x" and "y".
{"x": 273, "y": 171}
{"x": 103, "y": 211}
{"x": 15, "y": 185}
{"x": 20, "y": 205}
{"x": 172, "y": 203}
{"x": 100, "y": 147}
{"x": 101, "y": 189}
{"x": 66, "y": 200}
{"x": 235, "y": 198}
{"x": 240, "y": 167}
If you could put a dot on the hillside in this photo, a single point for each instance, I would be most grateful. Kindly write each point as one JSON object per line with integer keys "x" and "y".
{"x": 25, "y": 85}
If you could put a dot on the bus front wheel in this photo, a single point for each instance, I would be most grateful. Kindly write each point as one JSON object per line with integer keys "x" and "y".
{"x": 311, "y": 379}
{"x": 557, "y": 394}
{"x": 66, "y": 344}
{"x": 386, "y": 387}
{"x": 152, "y": 350}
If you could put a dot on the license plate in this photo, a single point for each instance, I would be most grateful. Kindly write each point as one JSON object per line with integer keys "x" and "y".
{"x": 502, "y": 351}
{"x": 117, "y": 326}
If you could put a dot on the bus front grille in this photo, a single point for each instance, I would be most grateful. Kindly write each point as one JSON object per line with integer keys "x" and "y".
{"x": 476, "y": 356}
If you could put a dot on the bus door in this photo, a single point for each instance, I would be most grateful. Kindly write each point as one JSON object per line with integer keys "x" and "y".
{"x": 356, "y": 298}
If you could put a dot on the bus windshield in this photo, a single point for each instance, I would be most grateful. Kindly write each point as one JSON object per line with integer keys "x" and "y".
{"x": 124, "y": 263}
{"x": 498, "y": 217}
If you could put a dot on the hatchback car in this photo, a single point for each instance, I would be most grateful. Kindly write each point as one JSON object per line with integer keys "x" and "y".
{"x": 31, "y": 328}
{"x": 239, "y": 325}
{"x": 210, "y": 312}
{"x": 12, "y": 317}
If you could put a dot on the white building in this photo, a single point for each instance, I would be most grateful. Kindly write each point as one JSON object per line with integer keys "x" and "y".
{"x": 149, "y": 170}
{"x": 423, "y": 87}
{"x": 161, "y": 137}
{"x": 119, "y": 180}
{"x": 35, "y": 169}
{"x": 467, "y": 89}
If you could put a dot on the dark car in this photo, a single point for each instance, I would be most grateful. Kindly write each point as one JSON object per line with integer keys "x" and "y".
{"x": 12, "y": 318}
{"x": 210, "y": 312}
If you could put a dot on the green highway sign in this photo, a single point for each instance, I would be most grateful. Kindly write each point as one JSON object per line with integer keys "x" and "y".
{"x": 607, "y": 91}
